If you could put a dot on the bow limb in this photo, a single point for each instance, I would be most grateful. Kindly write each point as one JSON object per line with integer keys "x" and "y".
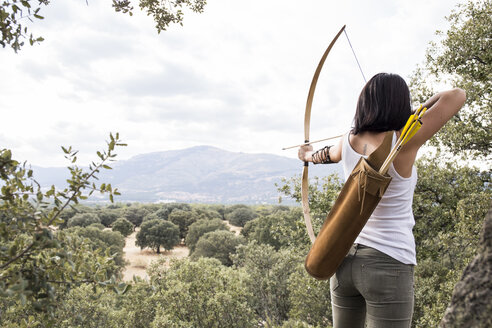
{"x": 307, "y": 123}
{"x": 305, "y": 203}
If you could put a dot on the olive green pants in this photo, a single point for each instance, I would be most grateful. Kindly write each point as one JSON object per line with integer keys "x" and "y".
{"x": 371, "y": 289}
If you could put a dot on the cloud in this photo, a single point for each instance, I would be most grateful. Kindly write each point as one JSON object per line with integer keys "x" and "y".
{"x": 235, "y": 76}
{"x": 164, "y": 80}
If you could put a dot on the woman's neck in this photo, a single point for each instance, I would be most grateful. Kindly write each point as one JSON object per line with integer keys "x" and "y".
{"x": 366, "y": 142}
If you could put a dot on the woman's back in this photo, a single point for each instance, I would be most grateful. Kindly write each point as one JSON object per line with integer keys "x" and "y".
{"x": 366, "y": 142}
{"x": 389, "y": 229}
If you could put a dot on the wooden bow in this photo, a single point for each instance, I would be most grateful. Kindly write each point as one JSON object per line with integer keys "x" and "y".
{"x": 307, "y": 123}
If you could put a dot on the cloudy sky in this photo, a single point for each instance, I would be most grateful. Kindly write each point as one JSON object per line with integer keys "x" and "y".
{"x": 234, "y": 77}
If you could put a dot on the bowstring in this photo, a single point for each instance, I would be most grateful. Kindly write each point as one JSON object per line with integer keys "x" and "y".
{"x": 355, "y": 56}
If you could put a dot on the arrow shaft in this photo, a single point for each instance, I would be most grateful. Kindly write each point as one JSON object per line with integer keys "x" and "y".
{"x": 311, "y": 142}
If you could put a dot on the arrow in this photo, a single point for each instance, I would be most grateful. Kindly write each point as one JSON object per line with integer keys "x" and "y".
{"x": 311, "y": 142}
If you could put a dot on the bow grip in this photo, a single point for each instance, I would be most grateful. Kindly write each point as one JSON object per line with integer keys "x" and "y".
{"x": 306, "y": 163}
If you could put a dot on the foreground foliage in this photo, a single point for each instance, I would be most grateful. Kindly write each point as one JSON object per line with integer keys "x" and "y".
{"x": 13, "y": 14}
{"x": 35, "y": 260}
{"x": 462, "y": 58}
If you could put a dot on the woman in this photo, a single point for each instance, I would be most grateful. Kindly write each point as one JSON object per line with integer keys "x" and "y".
{"x": 374, "y": 284}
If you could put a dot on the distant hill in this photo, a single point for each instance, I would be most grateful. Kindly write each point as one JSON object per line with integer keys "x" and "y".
{"x": 202, "y": 174}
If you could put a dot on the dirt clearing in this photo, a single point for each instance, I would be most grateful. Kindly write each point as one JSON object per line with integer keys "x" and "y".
{"x": 140, "y": 259}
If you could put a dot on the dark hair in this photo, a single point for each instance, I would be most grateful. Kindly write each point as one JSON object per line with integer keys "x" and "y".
{"x": 383, "y": 105}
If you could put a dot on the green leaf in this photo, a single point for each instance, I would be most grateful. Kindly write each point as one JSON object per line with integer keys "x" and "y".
{"x": 111, "y": 145}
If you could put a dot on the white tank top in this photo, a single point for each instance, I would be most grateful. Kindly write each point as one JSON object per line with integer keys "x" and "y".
{"x": 389, "y": 229}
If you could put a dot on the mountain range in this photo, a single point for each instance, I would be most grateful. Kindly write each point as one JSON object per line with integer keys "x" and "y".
{"x": 201, "y": 174}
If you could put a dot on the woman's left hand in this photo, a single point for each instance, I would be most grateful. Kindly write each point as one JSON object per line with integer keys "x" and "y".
{"x": 305, "y": 153}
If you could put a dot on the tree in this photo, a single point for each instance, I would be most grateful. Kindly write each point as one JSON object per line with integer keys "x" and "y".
{"x": 265, "y": 210}
{"x": 123, "y": 226}
{"x": 280, "y": 229}
{"x": 232, "y": 208}
{"x": 451, "y": 200}
{"x": 166, "y": 209}
{"x": 108, "y": 216}
{"x": 202, "y": 293}
{"x": 83, "y": 220}
{"x": 449, "y": 205}
{"x": 90, "y": 306}
{"x": 220, "y": 209}
{"x": 151, "y": 216}
{"x": 110, "y": 241}
{"x": 309, "y": 299}
{"x": 220, "y": 244}
{"x": 240, "y": 216}
{"x": 439, "y": 191}
{"x": 35, "y": 260}
{"x": 137, "y": 307}
{"x": 293, "y": 323}
{"x": 13, "y": 14}
{"x": 183, "y": 219}
{"x": 93, "y": 308}
{"x": 269, "y": 272}
{"x": 157, "y": 233}
{"x": 463, "y": 59}
{"x": 200, "y": 228}
{"x": 135, "y": 214}
{"x": 322, "y": 195}
{"x": 202, "y": 212}
{"x": 66, "y": 215}
{"x": 471, "y": 304}
{"x": 96, "y": 225}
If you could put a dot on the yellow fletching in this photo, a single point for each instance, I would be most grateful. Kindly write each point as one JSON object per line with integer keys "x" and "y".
{"x": 407, "y": 125}
{"x": 410, "y": 123}
{"x": 414, "y": 128}
{"x": 422, "y": 112}
{"x": 410, "y": 136}
{"x": 411, "y": 127}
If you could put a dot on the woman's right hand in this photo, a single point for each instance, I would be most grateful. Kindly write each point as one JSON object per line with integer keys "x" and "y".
{"x": 305, "y": 153}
